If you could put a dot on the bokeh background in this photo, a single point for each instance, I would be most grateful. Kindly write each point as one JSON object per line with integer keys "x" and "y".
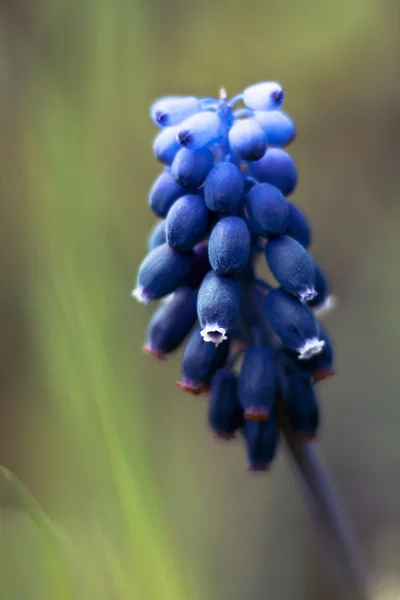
{"x": 144, "y": 504}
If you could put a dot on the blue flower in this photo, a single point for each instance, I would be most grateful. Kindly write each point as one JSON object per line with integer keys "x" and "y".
{"x": 225, "y": 413}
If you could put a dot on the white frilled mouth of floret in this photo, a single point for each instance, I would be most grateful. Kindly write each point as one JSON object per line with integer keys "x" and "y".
{"x": 307, "y": 295}
{"x": 214, "y": 333}
{"x": 141, "y": 295}
{"x": 310, "y": 348}
{"x": 324, "y": 309}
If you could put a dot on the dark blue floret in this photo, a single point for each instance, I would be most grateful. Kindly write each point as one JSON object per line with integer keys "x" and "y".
{"x": 321, "y": 287}
{"x": 161, "y": 272}
{"x": 200, "y": 362}
{"x": 157, "y": 236}
{"x": 165, "y": 146}
{"x": 225, "y": 413}
{"x": 257, "y": 383}
{"x": 164, "y": 193}
{"x": 292, "y": 267}
{"x": 298, "y": 226}
{"x": 201, "y": 266}
{"x": 171, "y": 323}
{"x": 294, "y": 323}
{"x": 277, "y": 168}
{"x": 218, "y": 305}
{"x": 223, "y": 188}
{"x": 247, "y": 139}
{"x": 186, "y": 222}
{"x": 191, "y": 167}
{"x": 301, "y": 406}
{"x": 261, "y": 441}
{"x": 268, "y": 210}
{"x": 229, "y": 246}
{"x": 321, "y": 366}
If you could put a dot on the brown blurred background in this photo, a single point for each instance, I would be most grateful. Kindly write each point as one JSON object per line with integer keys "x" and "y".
{"x": 98, "y": 432}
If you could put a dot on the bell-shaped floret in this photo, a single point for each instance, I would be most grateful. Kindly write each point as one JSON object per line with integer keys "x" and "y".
{"x": 223, "y": 188}
{"x": 225, "y": 413}
{"x": 268, "y": 210}
{"x": 218, "y": 305}
{"x": 257, "y": 383}
{"x": 172, "y": 110}
{"x": 275, "y": 167}
{"x": 229, "y": 246}
{"x": 186, "y": 222}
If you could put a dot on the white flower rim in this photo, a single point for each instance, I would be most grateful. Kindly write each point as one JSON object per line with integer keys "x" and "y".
{"x": 307, "y": 294}
{"x": 140, "y": 295}
{"x": 310, "y": 348}
{"x": 213, "y": 333}
{"x": 328, "y": 305}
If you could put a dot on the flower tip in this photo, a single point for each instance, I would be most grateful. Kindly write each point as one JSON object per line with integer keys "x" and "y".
{"x": 141, "y": 295}
{"x": 147, "y": 349}
{"x": 192, "y": 388}
{"x": 214, "y": 333}
{"x": 310, "y": 348}
{"x": 324, "y": 309}
{"x": 256, "y": 413}
{"x": 223, "y": 436}
{"x": 258, "y": 467}
{"x": 307, "y": 295}
{"x": 324, "y": 373}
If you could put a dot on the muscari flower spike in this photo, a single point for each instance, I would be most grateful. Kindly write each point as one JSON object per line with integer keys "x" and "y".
{"x": 222, "y": 197}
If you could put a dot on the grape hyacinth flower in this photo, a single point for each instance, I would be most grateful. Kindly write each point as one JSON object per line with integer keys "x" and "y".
{"x": 223, "y": 197}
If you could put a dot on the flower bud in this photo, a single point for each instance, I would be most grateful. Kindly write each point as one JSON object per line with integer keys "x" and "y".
{"x": 171, "y": 323}
{"x": 218, "y": 305}
{"x": 279, "y": 128}
{"x": 191, "y": 167}
{"x": 301, "y": 406}
{"x": 321, "y": 366}
{"x": 200, "y": 362}
{"x": 202, "y": 129}
{"x": 267, "y": 95}
{"x": 161, "y": 272}
{"x": 225, "y": 413}
{"x": 157, "y": 236}
{"x": 294, "y": 323}
{"x": 163, "y": 194}
{"x": 186, "y": 222}
{"x": 165, "y": 146}
{"x": 292, "y": 267}
{"x": 257, "y": 383}
{"x": 261, "y": 441}
{"x": 277, "y": 168}
{"x": 247, "y": 139}
{"x": 223, "y": 188}
{"x": 172, "y": 110}
{"x": 229, "y": 246}
{"x": 298, "y": 227}
{"x": 268, "y": 210}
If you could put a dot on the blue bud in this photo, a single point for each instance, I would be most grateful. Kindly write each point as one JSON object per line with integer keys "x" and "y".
{"x": 298, "y": 226}
{"x": 321, "y": 287}
{"x": 163, "y": 194}
{"x": 218, "y": 305}
{"x": 268, "y": 210}
{"x": 165, "y": 145}
{"x": 201, "y": 266}
{"x": 225, "y": 413}
{"x": 257, "y": 383}
{"x": 157, "y": 236}
{"x": 247, "y": 139}
{"x": 229, "y": 246}
{"x": 200, "y": 362}
{"x": 280, "y": 129}
{"x": 186, "y": 222}
{"x": 261, "y": 441}
{"x": 223, "y": 188}
{"x": 294, "y": 323}
{"x": 301, "y": 406}
{"x": 203, "y": 129}
{"x": 267, "y": 95}
{"x": 172, "y": 110}
{"x": 292, "y": 266}
{"x": 275, "y": 167}
{"x": 161, "y": 272}
{"x": 321, "y": 366}
{"x": 171, "y": 323}
{"x": 191, "y": 167}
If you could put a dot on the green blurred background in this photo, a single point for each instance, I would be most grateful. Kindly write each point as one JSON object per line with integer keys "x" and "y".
{"x": 147, "y": 505}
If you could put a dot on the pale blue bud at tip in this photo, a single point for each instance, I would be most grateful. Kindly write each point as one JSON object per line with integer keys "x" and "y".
{"x": 280, "y": 128}
{"x": 264, "y": 96}
{"x": 172, "y": 110}
{"x": 202, "y": 129}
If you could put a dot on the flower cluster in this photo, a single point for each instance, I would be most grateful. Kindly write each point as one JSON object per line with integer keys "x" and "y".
{"x": 222, "y": 201}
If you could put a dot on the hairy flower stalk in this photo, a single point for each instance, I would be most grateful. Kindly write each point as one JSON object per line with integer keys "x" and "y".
{"x": 224, "y": 198}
